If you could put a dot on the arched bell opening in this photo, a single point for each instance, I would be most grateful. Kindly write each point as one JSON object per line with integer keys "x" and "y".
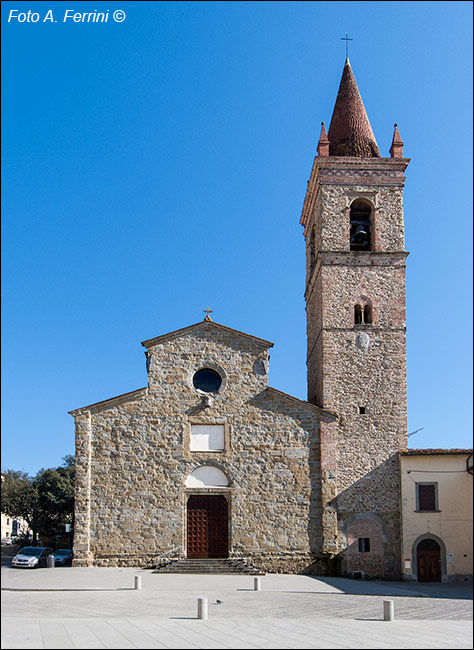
{"x": 360, "y": 218}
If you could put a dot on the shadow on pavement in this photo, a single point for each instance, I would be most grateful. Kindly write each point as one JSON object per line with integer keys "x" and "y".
{"x": 459, "y": 590}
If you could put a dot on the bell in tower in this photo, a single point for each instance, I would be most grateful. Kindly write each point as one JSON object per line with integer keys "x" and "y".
{"x": 360, "y": 226}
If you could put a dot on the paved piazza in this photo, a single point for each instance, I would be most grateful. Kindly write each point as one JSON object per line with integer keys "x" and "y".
{"x": 100, "y": 608}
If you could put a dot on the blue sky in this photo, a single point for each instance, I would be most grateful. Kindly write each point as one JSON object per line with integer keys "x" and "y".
{"x": 157, "y": 166}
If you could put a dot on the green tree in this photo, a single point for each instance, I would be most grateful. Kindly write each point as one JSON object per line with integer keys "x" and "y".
{"x": 19, "y": 496}
{"x": 55, "y": 503}
{"x": 45, "y": 502}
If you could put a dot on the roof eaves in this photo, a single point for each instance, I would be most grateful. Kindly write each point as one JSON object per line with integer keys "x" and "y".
{"x": 433, "y": 452}
{"x": 112, "y": 401}
{"x": 303, "y": 403}
{"x": 176, "y": 333}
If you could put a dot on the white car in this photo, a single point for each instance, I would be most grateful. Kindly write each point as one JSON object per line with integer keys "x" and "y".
{"x": 32, "y": 557}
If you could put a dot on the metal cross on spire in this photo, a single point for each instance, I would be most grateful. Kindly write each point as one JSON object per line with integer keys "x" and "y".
{"x": 208, "y": 311}
{"x": 347, "y": 44}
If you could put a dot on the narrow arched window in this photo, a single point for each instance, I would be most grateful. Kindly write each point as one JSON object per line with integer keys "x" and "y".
{"x": 363, "y": 313}
{"x": 360, "y": 226}
{"x": 367, "y": 314}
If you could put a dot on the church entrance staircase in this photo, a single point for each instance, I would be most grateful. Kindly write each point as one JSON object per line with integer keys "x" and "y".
{"x": 223, "y": 566}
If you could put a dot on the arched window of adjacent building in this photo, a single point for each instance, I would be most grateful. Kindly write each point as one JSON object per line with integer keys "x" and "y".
{"x": 361, "y": 239}
{"x": 357, "y": 315}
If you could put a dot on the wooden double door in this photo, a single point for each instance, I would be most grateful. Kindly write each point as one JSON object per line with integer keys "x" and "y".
{"x": 207, "y": 526}
{"x": 428, "y": 558}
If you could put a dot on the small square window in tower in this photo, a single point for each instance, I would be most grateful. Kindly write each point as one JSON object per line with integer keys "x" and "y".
{"x": 207, "y": 437}
{"x": 364, "y": 544}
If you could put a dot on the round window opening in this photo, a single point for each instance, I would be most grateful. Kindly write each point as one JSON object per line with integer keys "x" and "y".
{"x": 207, "y": 380}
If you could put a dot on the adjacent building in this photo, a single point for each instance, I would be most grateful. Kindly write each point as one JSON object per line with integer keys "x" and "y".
{"x": 436, "y": 511}
{"x": 13, "y": 526}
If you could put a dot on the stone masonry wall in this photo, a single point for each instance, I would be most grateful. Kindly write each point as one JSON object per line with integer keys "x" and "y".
{"x": 387, "y": 202}
{"x": 359, "y": 371}
{"x": 140, "y": 459}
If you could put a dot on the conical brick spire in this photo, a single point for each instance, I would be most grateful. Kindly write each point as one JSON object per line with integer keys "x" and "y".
{"x": 350, "y": 133}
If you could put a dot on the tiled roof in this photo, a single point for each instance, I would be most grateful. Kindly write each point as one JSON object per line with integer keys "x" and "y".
{"x": 433, "y": 452}
{"x": 350, "y": 133}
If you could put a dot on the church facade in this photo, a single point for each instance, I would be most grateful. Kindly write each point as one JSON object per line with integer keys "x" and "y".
{"x": 206, "y": 461}
{"x": 209, "y": 461}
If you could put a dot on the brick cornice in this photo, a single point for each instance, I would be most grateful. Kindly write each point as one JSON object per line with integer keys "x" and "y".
{"x": 362, "y": 258}
{"x": 346, "y": 170}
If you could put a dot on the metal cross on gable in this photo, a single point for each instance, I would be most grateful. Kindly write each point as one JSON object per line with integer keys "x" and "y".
{"x": 207, "y": 311}
{"x": 347, "y": 44}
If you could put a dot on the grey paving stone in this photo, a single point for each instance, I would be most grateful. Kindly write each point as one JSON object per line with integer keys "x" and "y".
{"x": 100, "y": 609}
{"x": 165, "y": 634}
{"x": 21, "y": 633}
{"x": 108, "y": 635}
{"x": 135, "y": 635}
{"x": 54, "y": 635}
{"x": 81, "y": 635}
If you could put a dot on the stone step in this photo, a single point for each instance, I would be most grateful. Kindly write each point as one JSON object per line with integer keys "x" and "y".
{"x": 211, "y": 565}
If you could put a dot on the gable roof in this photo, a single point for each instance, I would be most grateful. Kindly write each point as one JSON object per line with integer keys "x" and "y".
{"x": 209, "y": 326}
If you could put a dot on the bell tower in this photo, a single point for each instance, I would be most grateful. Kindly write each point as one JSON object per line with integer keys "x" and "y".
{"x": 355, "y": 308}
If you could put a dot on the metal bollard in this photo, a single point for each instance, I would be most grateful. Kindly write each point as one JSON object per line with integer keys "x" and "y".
{"x": 138, "y": 582}
{"x": 257, "y": 584}
{"x": 202, "y": 608}
{"x": 50, "y": 563}
{"x": 388, "y": 610}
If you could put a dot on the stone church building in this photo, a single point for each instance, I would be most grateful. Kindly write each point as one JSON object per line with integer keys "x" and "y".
{"x": 208, "y": 461}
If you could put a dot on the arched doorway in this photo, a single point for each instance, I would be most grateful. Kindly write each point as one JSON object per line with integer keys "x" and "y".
{"x": 428, "y": 559}
{"x": 207, "y": 526}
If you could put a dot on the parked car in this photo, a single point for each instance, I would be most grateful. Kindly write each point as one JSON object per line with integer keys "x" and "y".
{"x": 32, "y": 557}
{"x": 62, "y": 557}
